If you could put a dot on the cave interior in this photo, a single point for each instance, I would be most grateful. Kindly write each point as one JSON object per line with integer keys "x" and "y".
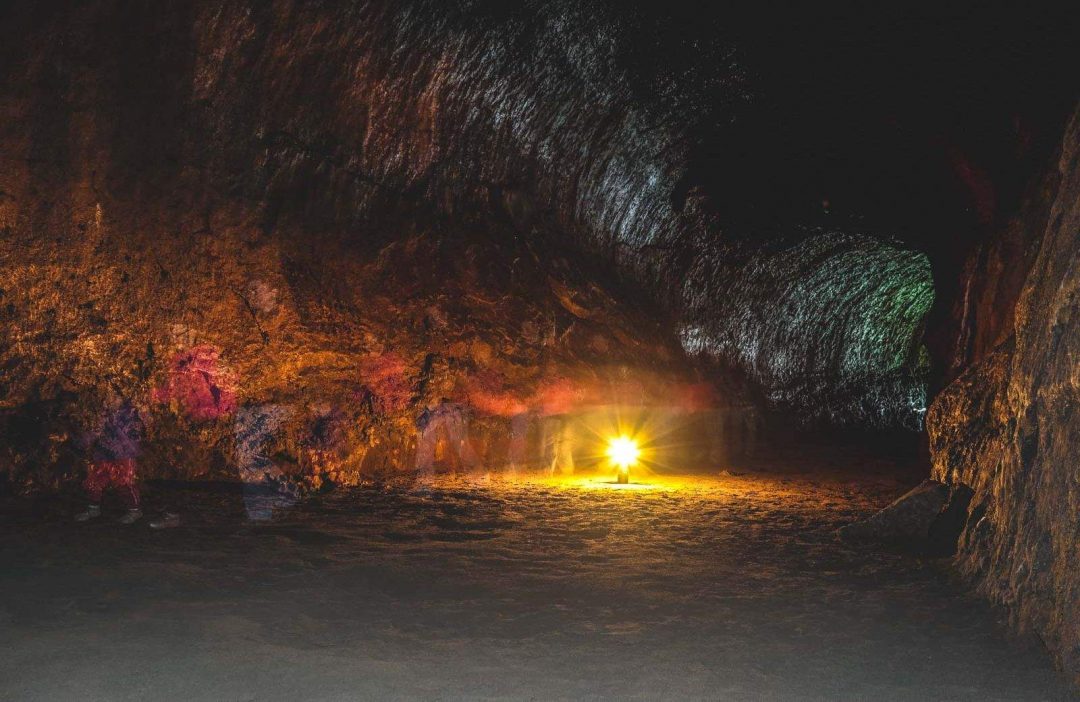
{"x": 553, "y": 350}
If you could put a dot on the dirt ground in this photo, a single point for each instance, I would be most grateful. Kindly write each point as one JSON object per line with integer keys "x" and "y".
{"x": 730, "y": 587}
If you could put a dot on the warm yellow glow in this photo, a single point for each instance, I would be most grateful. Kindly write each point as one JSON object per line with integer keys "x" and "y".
{"x": 623, "y": 452}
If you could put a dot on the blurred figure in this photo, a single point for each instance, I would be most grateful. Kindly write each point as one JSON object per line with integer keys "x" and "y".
{"x": 112, "y": 463}
{"x": 266, "y": 487}
{"x": 558, "y": 443}
{"x": 517, "y": 453}
{"x": 449, "y": 420}
{"x": 198, "y": 385}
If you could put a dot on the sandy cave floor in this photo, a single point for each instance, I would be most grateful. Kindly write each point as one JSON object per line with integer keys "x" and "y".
{"x": 711, "y": 587}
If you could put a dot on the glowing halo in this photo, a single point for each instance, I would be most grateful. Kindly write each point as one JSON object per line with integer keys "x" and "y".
{"x": 623, "y": 452}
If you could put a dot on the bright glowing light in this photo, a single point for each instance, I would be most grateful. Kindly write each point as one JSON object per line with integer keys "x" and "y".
{"x": 623, "y": 452}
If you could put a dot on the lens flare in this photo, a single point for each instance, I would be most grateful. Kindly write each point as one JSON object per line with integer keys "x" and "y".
{"x": 623, "y": 452}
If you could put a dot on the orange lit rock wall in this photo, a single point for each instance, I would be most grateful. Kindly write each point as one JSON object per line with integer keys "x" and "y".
{"x": 358, "y": 124}
{"x": 200, "y": 216}
{"x": 1008, "y": 426}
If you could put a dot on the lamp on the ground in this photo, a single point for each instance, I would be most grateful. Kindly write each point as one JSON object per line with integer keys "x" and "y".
{"x": 623, "y": 452}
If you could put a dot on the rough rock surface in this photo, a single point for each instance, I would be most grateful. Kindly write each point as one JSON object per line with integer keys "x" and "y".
{"x": 231, "y": 217}
{"x": 290, "y": 231}
{"x": 1008, "y": 426}
{"x": 830, "y": 324}
{"x": 907, "y": 521}
{"x": 283, "y": 134}
{"x": 206, "y": 331}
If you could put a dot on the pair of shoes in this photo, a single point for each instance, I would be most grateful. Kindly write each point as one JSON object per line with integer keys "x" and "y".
{"x": 168, "y": 520}
{"x": 133, "y": 515}
{"x": 91, "y": 512}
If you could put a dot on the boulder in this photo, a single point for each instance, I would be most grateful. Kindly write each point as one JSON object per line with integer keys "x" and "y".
{"x": 907, "y": 521}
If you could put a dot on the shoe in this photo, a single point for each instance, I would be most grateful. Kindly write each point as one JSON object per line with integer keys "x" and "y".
{"x": 167, "y": 520}
{"x": 132, "y": 516}
{"x": 91, "y": 512}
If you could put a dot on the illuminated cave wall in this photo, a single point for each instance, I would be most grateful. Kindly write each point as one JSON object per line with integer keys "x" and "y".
{"x": 285, "y": 200}
{"x": 1007, "y": 428}
{"x": 290, "y": 230}
{"x": 547, "y": 115}
{"x": 830, "y": 324}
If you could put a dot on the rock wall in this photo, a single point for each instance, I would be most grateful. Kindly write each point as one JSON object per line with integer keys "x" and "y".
{"x": 172, "y": 236}
{"x": 212, "y": 206}
{"x": 545, "y": 118}
{"x": 830, "y": 325}
{"x": 291, "y": 232}
{"x": 1008, "y": 426}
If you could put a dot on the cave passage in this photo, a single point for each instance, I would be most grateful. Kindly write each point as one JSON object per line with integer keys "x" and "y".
{"x": 560, "y": 349}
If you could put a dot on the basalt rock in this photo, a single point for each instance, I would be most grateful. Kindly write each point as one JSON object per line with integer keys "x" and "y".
{"x": 272, "y": 230}
{"x": 249, "y": 355}
{"x": 265, "y": 117}
{"x": 907, "y": 521}
{"x": 927, "y": 520}
{"x": 1007, "y": 428}
{"x": 293, "y": 235}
